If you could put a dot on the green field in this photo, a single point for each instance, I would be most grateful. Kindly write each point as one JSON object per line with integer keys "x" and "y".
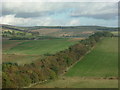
{"x": 20, "y": 59}
{"x": 101, "y": 62}
{"x": 38, "y": 47}
{"x": 7, "y": 44}
{"x": 27, "y": 51}
{"x": 98, "y": 69}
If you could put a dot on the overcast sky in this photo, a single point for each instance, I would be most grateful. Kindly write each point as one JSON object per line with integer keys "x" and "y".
{"x": 59, "y": 13}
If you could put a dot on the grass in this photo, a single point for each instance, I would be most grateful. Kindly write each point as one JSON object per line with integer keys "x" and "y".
{"x": 78, "y": 82}
{"x": 7, "y": 44}
{"x": 115, "y": 32}
{"x": 93, "y": 71}
{"x": 27, "y": 51}
{"x": 20, "y": 59}
{"x": 101, "y": 62}
{"x": 38, "y": 47}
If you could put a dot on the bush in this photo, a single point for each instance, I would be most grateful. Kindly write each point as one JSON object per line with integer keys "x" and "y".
{"x": 52, "y": 75}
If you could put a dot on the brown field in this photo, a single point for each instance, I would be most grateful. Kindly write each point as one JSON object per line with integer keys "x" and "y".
{"x": 76, "y": 39}
{"x": 46, "y": 31}
{"x": 61, "y": 32}
{"x": 87, "y": 32}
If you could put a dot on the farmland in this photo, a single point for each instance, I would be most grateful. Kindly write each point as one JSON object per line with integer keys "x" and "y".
{"x": 98, "y": 69}
{"x": 58, "y": 59}
{"x": 26, "y": 51}
{"x": 20, "y": 59}
{"x": 55, "y": 31}
{"x": 59, "y": 44}
{"x": 105, "y": 54}
{"x": 37, "y": 47}
{"x": 77, "y": 82}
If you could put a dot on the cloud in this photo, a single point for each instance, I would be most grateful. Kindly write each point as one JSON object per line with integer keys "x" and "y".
{"x": 97, "y": 10}
{"x": 30, "y": 9}
{"x": 12, "y": 20}
{"x": 61, "y": 0}
{"x": 36, "y": 9}
{"x": 55, "y": 13}
{"x": 74, "y": 22}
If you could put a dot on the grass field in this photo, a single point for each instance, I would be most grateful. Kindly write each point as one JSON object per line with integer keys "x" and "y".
{"x": 7, "y": 44}
{"x": 26, "y": 51}
{"x": 20, "y": 59}
{"x": 98, "y": 69}
{"x": 77, "y": 82}
{"x": 115, "y": 32}
{"x": 101, "y": 62}
{"x": 37, "y": 47}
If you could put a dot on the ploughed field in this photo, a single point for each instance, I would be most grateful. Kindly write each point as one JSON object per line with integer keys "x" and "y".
{"x": 26, "y": 51}
{"x": 97, "y": 69}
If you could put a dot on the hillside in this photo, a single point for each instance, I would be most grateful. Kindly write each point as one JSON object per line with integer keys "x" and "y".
{"x": 36, "y": 47}
{"x": 105, "y": 54}
{"x": 40, "y": 70}
{"x": 27, "y": 51}
{"x": 59, "y": 31}
{"x": 98, "y": 69}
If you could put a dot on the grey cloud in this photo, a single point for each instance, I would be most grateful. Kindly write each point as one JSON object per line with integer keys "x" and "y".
{"x": 94, "y": 10}
{"x": 6, "y": 12}
{"x": 32, "y": 15}
{"x": 97, "y": 10}
{"x": 29, "y": 10}
{"x": 40, "y": 13}
{"x": 26, "y": 14}
{"x": 101, "y": 16}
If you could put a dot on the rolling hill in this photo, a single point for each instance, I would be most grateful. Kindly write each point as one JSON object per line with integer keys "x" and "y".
{"x": 60, "y": 31}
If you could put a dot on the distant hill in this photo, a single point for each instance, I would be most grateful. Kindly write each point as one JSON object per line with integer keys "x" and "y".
{"x": 60, "y": 31}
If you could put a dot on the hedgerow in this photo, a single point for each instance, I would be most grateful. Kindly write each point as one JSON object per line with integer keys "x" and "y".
{"x": 16, "y": 76}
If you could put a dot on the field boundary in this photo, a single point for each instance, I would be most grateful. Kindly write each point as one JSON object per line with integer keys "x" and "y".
{"x": 67, "y": 67}
{"x": 77, "y": 61}
{"x": 65, "y": 70}
{"x": 62, "y": 73}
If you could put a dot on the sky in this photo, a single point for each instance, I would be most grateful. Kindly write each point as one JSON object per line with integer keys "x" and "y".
{"x": 51, "y": 13}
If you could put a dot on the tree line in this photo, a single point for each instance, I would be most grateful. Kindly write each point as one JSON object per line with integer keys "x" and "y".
{"x": 16, "y": 76}
{"x": 19, "y": 35}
